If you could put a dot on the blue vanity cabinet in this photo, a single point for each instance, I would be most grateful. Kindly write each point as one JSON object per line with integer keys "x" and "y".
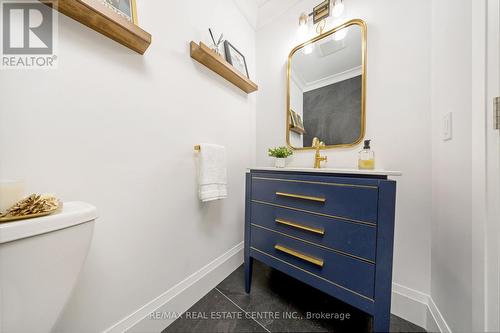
{"x": 334, "y": 232}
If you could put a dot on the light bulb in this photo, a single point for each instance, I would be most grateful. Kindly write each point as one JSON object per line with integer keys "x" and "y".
{"x": 302, "y": 31}
{"x": 341, "y": 34}
{"x": 303, "y": 27}
{"x": 338, "y": 8}
{"x": 309, "y": 48}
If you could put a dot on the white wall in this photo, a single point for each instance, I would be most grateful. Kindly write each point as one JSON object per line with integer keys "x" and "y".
{"x": 451, "y": 284}
{"x": 117, "y": 130}
{"x": 398, "y": 113}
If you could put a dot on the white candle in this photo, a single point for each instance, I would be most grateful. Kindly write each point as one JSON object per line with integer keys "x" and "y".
{"x": 11, "y": 191}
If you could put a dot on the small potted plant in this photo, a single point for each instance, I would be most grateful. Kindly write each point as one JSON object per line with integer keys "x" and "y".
{"x": 280, "y": 154}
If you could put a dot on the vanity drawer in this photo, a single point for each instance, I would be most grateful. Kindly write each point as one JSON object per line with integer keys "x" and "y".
{"x": 345, "y": 198}
{"x": 347, "y": 273}
{"x": 351, "y": 238}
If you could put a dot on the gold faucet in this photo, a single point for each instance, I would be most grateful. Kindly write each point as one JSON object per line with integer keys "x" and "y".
{"x": 318, "y": 145}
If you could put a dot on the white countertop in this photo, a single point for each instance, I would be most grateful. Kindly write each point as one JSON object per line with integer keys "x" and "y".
{"x": 376, "y": 172}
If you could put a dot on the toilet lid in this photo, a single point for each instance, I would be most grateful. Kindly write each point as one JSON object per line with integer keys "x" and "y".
{"x": 73, "y": 213}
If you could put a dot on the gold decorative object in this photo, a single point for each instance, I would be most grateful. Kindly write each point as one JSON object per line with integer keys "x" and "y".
{"x": 35, "y": 205}
{"x": 318, "y": 145}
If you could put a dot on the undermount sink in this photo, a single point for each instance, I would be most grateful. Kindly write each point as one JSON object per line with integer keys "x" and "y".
{"x": 376, "y": 172}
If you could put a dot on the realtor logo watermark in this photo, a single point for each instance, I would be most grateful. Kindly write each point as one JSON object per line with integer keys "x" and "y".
{"x": 29, "y": 30}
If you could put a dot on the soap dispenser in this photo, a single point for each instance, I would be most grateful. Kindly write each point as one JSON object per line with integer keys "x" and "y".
{"x": 366, "y": 157}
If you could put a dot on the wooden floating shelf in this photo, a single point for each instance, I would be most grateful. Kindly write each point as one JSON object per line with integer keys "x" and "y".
{"x": 102, "y": 19}
{"x": 204, "y": 55}
{"x": 298, "y": 130}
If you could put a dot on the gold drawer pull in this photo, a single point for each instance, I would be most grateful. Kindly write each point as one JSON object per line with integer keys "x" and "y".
{"x": 298, "y": 196}
{"x": 312, "y": 260}
{"x": 300, "y": 226}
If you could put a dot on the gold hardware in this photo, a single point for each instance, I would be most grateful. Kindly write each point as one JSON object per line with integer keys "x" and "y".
{"x": 320, "y": 27}
{"x": 197, "y": 148}
{"x": 362, "y": 131}
{"x": 315, "y": 244}
{"x": 312, "y": 260}
{"x": 312, "y": 274}
{"x": 298, "y": 196}
{"x": 318, "y": 145}
{"x": 346, "y": 219}
{"x": 300, "y": 226}
{"x": 496, "y": 113}
{"x": 321, "y": 11}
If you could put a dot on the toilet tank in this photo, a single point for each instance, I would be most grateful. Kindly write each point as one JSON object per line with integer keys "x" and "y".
{"x": 40, "y": 261}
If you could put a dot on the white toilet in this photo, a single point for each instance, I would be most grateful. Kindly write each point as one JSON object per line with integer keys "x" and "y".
{"x": 40, "y": 261}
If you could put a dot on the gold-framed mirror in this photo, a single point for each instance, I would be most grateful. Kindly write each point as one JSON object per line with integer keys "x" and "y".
{"x": 326, "y": 88}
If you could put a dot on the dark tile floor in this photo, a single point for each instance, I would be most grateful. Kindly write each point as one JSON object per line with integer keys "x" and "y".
{"x": 276, "y": 303}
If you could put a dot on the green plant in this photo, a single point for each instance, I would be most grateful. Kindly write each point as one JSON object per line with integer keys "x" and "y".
{"x": 280, "y": 152}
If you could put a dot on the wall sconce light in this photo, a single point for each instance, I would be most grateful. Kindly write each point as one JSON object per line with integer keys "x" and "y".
{"x": 319, "y": 15}
{"x": 338, "y": 8}
{"x": 321, "y": 11}
{"x": 303, "y": 28}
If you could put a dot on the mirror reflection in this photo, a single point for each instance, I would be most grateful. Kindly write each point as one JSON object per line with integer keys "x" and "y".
{"x": 326, "y": 90}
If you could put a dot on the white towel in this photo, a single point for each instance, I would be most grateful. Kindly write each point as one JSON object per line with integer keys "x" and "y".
{"x": 212, "y": 172}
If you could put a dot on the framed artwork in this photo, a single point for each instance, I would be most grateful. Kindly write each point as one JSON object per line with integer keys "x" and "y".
{"x": 300, "y": 124}
{"x": 296, "y": 123}
{"x": 235, "y": 58}
{"x": 293, "y": 118}
{"x": 124, "y": 8}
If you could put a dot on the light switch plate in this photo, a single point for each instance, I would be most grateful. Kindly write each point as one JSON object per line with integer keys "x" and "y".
{"x": 448, "y": 126}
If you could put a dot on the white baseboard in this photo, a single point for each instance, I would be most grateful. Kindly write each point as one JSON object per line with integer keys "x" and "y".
{"x": 438, "y": 317}
{"x": 407, "y": 303}
{"x": 182, "y": 296}
{"x": 418, "y": 308}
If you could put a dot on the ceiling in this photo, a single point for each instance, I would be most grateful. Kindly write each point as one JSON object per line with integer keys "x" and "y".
{"x": 262, "y": 12}
{"x": 261, "y": 3}
{"x": 268, "y": 10}
{"x": 340, "y": 57}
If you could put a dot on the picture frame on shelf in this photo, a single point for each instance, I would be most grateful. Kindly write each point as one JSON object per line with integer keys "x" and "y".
{"x": 296, "y": 123}
{"x": 300, "y": 123}
{"x": 293, "y": 120}
{"x": 125, "y": 8}
{"x": 236, "y": 58}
